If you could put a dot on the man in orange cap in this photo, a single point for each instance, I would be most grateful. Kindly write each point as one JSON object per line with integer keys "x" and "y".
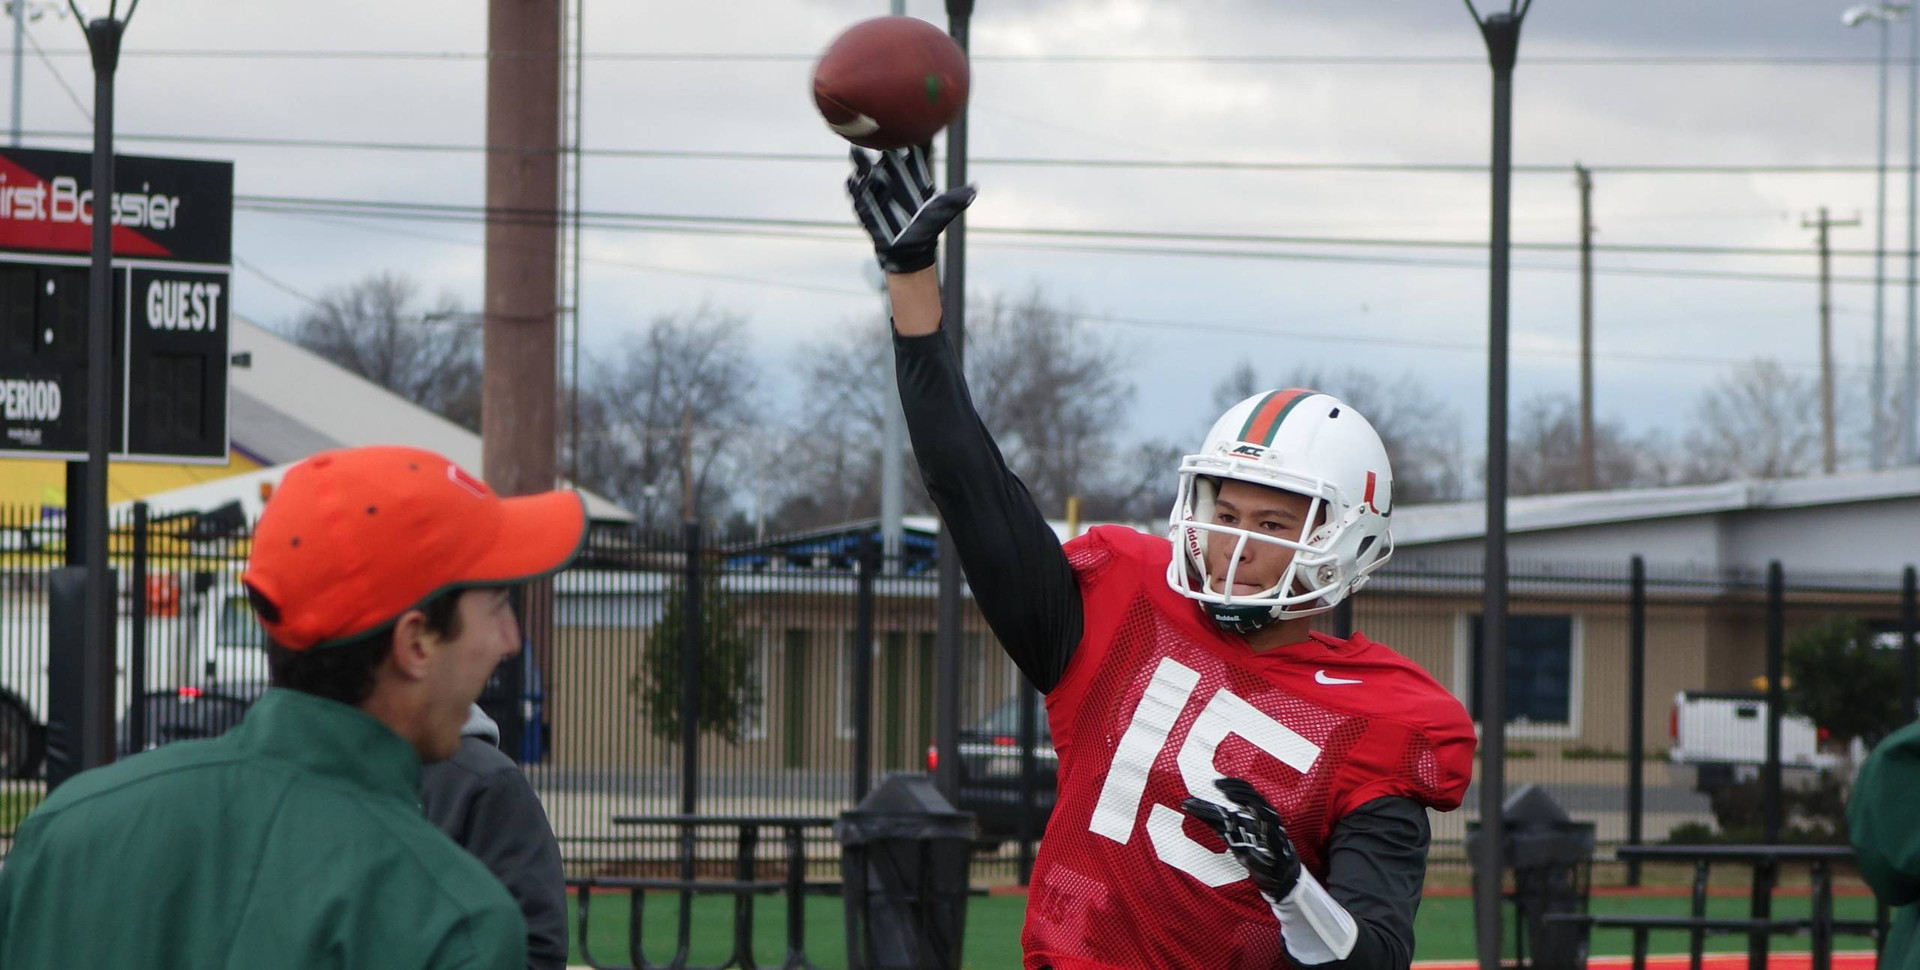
{"x": 382, "y": 576}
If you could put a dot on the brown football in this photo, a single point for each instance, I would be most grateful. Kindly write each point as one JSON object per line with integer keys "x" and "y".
{"x": 890, "y": 82}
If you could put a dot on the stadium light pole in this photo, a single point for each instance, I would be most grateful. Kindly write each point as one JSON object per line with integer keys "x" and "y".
{"x": 893, "y": 426}
{"x": 1910, "y": 453}
{"x": 1881, "y": 14}
{"x": 953, "y": 319}
{"x": 1501, "y": 31}
{"x": 103, "y": 42}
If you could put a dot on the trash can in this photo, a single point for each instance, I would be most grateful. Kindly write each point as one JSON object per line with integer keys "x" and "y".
{"x": 904, "y": 857}
{"x": 1551, "y": 858}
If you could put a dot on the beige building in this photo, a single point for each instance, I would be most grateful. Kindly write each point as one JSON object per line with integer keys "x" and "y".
{"x": 1706, "y": 549}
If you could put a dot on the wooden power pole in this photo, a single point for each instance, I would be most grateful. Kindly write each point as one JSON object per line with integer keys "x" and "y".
{"x": 519, "y": 388}
{"x": 519, "y": 392}
{"x": 1829, "y": 457}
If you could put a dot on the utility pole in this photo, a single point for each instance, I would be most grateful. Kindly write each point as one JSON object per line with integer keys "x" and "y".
{"x": 1585, "y": 180}
{"x": 1829, "y": 457}
{"x": 518, "y": 392}
{"x": 19, "y": 39}
{"x": 519, "y": 387}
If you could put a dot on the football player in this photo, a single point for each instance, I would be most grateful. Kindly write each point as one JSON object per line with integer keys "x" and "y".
{"x": 1235, "y": 791}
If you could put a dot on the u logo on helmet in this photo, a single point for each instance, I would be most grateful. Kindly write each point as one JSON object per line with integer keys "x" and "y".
{"x": 1367, "y": 499}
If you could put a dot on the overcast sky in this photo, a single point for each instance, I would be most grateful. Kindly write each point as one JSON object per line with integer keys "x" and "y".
{"x": 1185, "y": 320}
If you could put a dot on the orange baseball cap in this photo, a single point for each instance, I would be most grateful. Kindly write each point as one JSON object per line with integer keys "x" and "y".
{"x": 353, "y": 538}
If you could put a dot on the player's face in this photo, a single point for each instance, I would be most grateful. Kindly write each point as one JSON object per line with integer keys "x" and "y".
{"x": 489, "y": 633}
{"x": 1262, "y": 511}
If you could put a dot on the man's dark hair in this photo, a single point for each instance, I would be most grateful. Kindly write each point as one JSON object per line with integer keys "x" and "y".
{"x": 344, "y": 671}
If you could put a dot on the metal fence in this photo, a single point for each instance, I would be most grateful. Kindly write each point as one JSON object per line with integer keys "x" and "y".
{"x": 795, "y": 721}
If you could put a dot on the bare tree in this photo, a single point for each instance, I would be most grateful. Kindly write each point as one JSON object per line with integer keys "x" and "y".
{"x": 1422, "y": 434}
{"x": 381, "y": 329}
{"x": 1545, "y": 451}
{"x": 665, "y": 421}
{"x": 833, "y": 469}
{"x": 1142, "y": 487}
{"x": 1760, "y": 421}
{"x": 1047, "y": 389}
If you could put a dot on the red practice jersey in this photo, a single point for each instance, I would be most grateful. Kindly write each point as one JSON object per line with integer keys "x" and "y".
{"x": 1156, "y": 704}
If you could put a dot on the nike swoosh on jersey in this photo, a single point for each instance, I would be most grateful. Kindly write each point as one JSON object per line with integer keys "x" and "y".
{"x": 1320, "y": 677}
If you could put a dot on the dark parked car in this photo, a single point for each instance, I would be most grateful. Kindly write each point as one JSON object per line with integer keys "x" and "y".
{"x": 189, "y": 713}
{"x": 990, "y": 772}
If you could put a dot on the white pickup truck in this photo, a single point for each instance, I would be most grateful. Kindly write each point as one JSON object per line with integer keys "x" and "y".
{"x": 1724, "y": 735}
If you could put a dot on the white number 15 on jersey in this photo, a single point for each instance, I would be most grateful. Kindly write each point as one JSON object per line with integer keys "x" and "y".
{"x": 1126, "y": 782}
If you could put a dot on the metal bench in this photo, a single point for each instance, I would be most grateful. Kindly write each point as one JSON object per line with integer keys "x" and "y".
{"x": 1760, "y": 925}
{"x": 743, "y": 887}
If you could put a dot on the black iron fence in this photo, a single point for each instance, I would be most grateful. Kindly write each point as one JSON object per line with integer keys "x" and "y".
{"x": 814, "y": 661}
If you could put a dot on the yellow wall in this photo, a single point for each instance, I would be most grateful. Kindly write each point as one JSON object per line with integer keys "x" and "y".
{"x": 34, "y": 481}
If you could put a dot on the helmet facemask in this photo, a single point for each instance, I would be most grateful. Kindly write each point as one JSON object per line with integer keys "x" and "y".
{"x": 1299, "y": 443}
{"x": 1303, "y": 588}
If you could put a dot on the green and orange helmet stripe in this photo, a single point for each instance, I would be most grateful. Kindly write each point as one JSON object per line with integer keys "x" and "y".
{"x": 1270, "y": 412}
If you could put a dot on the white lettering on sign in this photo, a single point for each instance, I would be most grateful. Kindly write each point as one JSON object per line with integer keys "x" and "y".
{"x": 62, "y": 201}
{"x": 183, "y": 305}
{"x": 30, "y": 400}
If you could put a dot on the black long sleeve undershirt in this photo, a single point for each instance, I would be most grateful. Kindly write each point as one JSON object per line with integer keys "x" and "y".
{"x": 1025, "y": 589}
{"x": 1011, "y": 557}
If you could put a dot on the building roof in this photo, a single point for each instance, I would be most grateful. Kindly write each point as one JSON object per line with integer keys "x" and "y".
{"x": 1825, "y": 526}
{"x": 291, "y": 402}
{"x": 1454, "y": 521}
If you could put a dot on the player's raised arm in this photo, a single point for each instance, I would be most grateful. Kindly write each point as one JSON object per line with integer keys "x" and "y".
{"x": 1010, "y": 554}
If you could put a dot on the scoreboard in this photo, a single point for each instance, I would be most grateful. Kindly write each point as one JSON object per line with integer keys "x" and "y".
{"x": 172, "y": 254}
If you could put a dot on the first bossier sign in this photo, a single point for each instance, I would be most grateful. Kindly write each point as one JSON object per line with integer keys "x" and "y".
{"x": 172, "y": 248}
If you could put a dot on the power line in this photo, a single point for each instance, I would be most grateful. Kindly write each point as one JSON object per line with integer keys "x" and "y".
{"x": 276, "y": 283}
{"x": 58, "y": 78}
{"x": 1008, "y": 161}
{"x": 775, "y": 57}
{"x": 1684, "y": 274}
{"x": 832, "y": 231}
{"x": 1343, "y": 335}
{"x": 611, "y": 219}
{"x": 844, "y": 291}
{"x": 1419, "y": 344}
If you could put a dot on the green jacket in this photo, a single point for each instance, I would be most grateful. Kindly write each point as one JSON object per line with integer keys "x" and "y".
{"x": 296, "y": 840}
{"x": 1884, "y": 818}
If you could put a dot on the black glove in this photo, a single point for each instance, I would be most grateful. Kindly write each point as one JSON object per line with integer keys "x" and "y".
{"x": 1254, "y": 833}
{"x": 893, "y": 196}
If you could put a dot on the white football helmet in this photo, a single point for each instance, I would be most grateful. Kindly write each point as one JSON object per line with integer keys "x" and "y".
{"x": 1297, "y": 441}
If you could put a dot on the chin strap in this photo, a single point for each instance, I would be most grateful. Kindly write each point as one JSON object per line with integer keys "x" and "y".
{"x": 1314, "y": 928}
{"x": 1241, "y": 619}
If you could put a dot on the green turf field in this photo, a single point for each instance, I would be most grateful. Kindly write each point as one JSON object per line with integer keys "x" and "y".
{"x": 1444, "y": 930}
